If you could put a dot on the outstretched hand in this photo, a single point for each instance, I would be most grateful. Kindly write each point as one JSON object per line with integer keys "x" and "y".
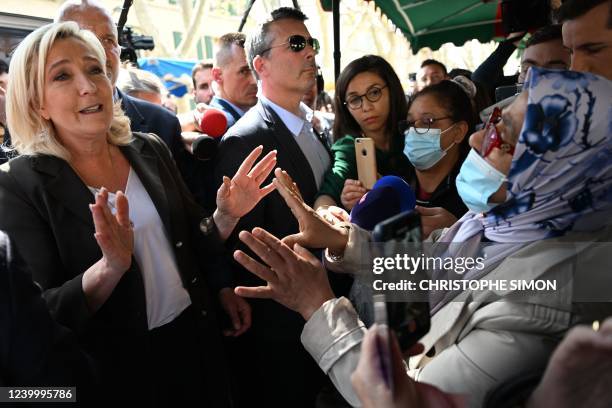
{"x": 295, "y": 277}
{"x": 114, "y": 233}
{"x": 240, "y": 194}
{"x": 315, "y": 231}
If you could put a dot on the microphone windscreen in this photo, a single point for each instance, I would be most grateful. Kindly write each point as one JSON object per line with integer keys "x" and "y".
{"x": 213, "y": 123}
{"x": 406, "y": 194}
{"x": 204, "y": 147}
{"x": 375, "y": 206}
{"x": 389, "y": 196}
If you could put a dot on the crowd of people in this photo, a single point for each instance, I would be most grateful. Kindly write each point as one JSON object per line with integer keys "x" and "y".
{"x": 140, "y": 274}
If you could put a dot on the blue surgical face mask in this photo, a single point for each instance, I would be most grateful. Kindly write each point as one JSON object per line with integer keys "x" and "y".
{"x": 477, "y": 181}
{"x": 423, "y": 149}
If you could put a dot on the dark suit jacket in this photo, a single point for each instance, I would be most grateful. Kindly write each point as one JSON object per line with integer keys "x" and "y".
{"x": 146, "y": 117}
{"x": 231, "y": 114}
{"x": 288, "y": 374}
{"x": 35, "y": 350}
{"x": 52, "y": 227}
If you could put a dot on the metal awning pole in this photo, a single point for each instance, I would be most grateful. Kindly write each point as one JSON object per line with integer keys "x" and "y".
{"x": 336, "y": 17}
{"x": 246, "y": 15}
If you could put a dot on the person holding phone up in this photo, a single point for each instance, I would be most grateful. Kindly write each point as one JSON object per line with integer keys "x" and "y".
{"x": 538, "y": 176}
{"x": 369, "y": 103}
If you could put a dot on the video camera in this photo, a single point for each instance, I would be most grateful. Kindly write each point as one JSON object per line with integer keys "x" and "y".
{"x": 131, "y": 42}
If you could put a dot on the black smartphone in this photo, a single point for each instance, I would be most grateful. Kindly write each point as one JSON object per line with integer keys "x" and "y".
{"x": 503, "y": 92}
{"x": 409, "y": 320}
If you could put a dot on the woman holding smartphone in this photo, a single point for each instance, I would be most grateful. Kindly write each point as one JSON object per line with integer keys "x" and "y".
{"x": 369, "y": 103}
{"x": 538, "y": 177}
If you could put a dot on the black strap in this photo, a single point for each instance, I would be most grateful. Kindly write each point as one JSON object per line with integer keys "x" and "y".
{"x": 324, "y": 139}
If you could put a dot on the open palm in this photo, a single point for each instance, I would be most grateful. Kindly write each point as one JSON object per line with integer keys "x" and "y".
{"x": 240, "y": 194}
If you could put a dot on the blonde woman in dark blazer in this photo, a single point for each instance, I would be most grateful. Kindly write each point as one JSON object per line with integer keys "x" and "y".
{"x": 131, "y": 280}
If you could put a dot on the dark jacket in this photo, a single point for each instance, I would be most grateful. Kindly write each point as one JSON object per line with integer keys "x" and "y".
{"x": 286, "y": 375}
{"x": 53, "y": 229}
{"x": 146, "y": 117}
{"x": 231, "y": 114}
{"x": 34, "y": 349}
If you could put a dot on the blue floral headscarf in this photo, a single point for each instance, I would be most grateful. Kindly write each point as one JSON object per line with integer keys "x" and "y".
{"x": 561, "y": 174}
{"x": 560, "y": 179}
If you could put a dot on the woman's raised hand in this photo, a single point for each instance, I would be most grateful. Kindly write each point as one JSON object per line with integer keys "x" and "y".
{"x": 114, "y": 232}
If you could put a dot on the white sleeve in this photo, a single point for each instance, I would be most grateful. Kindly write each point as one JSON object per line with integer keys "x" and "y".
{"x": 333, "y": 337}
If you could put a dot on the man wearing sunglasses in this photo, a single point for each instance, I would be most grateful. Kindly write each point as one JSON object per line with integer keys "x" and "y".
{"x": 273, "y": 369}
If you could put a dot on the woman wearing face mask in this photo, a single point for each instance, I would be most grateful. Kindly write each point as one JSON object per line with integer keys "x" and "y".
{"x": 369, "y": 102}
{"x": 439, "y": 119}
{"x": 538, "y": 182}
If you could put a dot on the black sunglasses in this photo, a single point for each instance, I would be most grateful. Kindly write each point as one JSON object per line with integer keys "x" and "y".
{"x": 297, "y": 43}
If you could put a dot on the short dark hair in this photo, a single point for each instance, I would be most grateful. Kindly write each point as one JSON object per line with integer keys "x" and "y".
{"x": 345, "y": 123}
{"x": 572, "y": 9}
{"x": 3, "y": 67}
{"x": 259, "y": 41}
{"x": 226, "y": 41}
{"x": 434, "y": 62}
{"x": 200, "y": 66}
{"x": 545, "y": 34}
{"x": 460, "y": 71}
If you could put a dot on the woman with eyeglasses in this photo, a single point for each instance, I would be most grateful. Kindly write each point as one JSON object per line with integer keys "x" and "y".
{"x": 369, "y": 102}
{"x": 439, "y": 119}
{"x": 538, "y": 183}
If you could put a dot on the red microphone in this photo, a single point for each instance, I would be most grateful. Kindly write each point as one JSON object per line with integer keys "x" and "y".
{"x": 213, "y": 124}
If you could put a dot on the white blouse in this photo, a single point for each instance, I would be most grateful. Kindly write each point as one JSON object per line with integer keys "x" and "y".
{"x": 165, "y": 295}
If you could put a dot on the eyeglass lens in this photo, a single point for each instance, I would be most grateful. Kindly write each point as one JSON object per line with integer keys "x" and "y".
{"x": 373, "y": 95}
{"x": 491, "y": 137}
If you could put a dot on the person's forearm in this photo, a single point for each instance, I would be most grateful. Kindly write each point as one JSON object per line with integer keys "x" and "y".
{"x": 225, "y": 224}
{"x": 335, "y": 344}
{"x": 490, "y": 72}
{"x": 340, "y": 241}
{"x": 99, "y": 281}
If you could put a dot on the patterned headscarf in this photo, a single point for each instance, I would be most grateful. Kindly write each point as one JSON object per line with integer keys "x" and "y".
{"x": 561, "y": 174}
{"x": 560, "y": 179}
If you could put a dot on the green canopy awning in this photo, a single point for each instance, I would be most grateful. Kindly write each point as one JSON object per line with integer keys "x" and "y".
{"x": 431, "y": 23}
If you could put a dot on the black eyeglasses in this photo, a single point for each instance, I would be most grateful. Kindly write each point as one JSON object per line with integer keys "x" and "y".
{"x": 297, "y": 43}
{"x": 421, "y": 126}
{"x": 373, "y": 95}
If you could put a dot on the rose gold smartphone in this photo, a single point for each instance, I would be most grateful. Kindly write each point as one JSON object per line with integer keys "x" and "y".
{"x": 365, "y": 154}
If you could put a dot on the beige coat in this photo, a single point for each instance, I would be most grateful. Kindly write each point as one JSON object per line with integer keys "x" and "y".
{"x": 474, "y": 345}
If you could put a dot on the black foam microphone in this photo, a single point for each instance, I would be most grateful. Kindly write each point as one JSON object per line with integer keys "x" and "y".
{"x": 204, "y": 147}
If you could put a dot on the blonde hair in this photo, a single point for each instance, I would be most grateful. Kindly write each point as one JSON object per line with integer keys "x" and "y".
{"x": 30, "y": 133}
